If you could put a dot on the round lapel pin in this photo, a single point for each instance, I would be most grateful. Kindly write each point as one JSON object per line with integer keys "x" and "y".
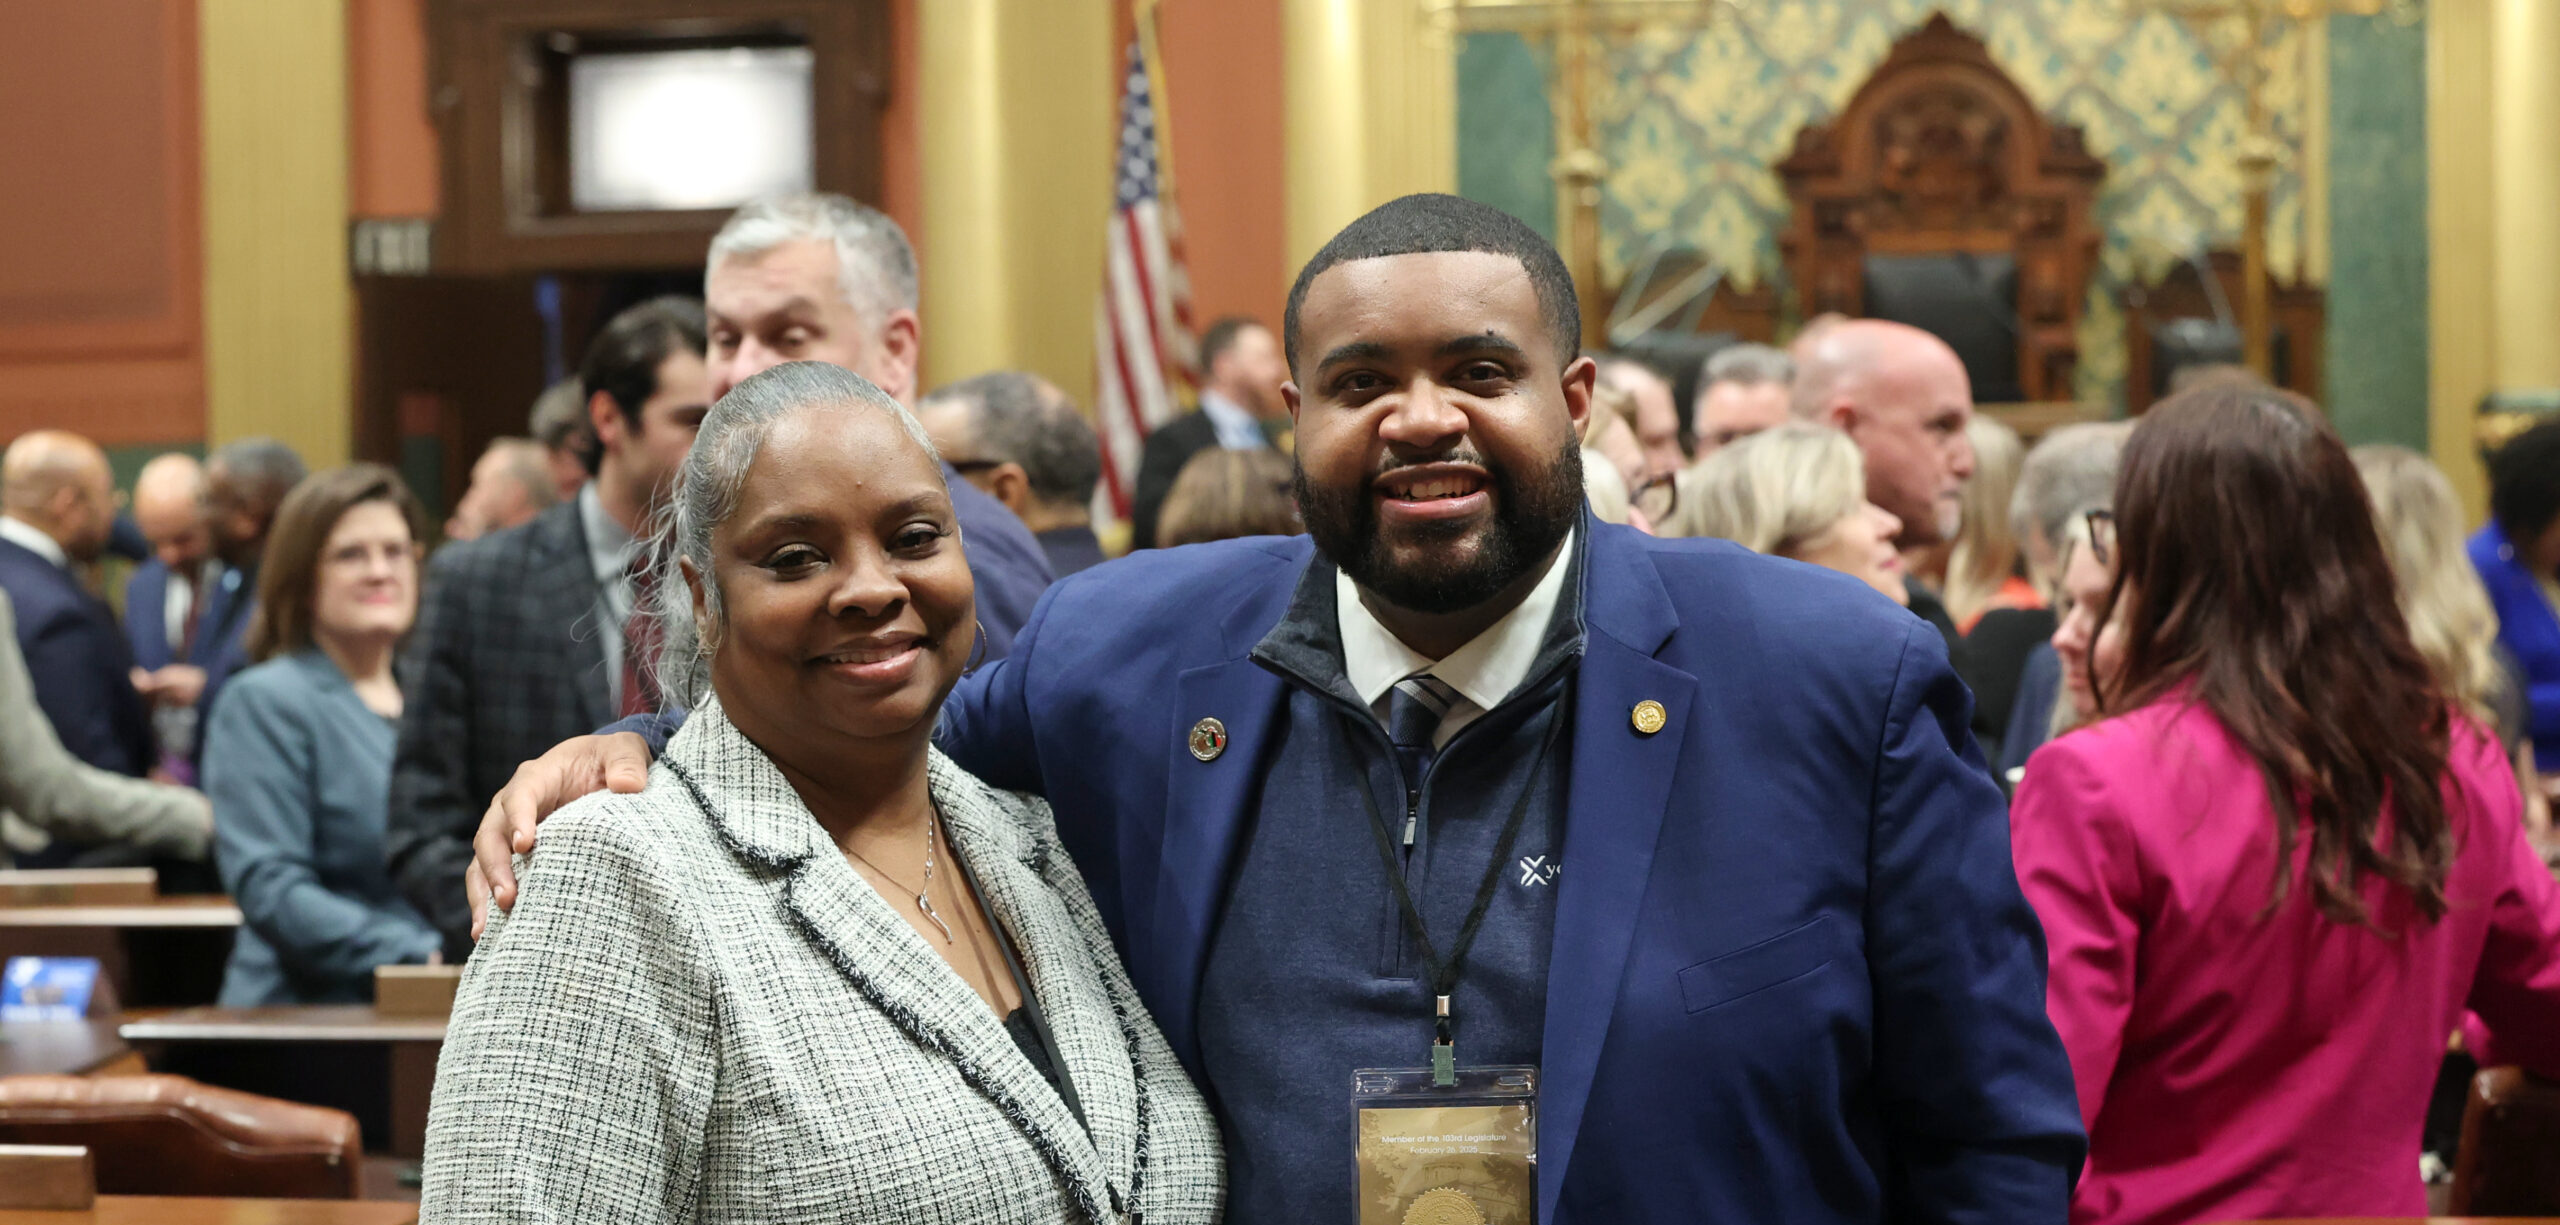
{"x": 1208, "y": 739}
{"x": 1649, "y": 718}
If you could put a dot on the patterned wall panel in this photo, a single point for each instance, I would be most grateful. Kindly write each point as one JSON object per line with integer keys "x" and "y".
{"x": 1694, "y": 118}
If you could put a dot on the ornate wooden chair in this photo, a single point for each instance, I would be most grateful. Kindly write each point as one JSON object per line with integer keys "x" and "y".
{"x": 1940, "y": 197}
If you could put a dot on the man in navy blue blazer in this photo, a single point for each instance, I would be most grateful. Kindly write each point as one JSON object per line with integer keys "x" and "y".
{"x": 245, "y": 483}
{"x": 57, "y": 504}
{"x": 1710, "y": 827}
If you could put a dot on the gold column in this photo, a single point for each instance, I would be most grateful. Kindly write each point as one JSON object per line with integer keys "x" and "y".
{"x": 2460, "y": 230}
{"x": 2524, "y": 173}
{"x": 1371, "y": 106}
{"x": 2493, "y": 231}
{"x": 1016, "y": 104}
{"x": 278, "y": 308}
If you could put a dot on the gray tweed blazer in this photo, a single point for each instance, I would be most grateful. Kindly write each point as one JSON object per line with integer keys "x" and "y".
{"x": 698, "y": 1016}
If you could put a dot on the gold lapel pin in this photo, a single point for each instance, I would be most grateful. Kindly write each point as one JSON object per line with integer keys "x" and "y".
{"x": 1648, "y": 718}
{"x": 1208, "y": 739}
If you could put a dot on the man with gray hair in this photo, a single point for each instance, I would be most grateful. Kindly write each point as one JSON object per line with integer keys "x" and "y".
{"x": 818, "y": 277}
{"x": 510, "y": 484}
{"x": 2069, "y": 472}
{"x": 1019, "y": 438}
{"x": 1743, "y": 391}
{"x": 559, "y": 423}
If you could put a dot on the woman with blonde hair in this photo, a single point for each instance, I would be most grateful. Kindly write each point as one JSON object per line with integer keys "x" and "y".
{"x": 2450, "y": 619}
{"x": 1796, "y": 491}
{"x": 1982, "y": 565}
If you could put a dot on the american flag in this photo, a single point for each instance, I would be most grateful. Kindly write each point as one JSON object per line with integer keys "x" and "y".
{"x": 1142, "y": 332}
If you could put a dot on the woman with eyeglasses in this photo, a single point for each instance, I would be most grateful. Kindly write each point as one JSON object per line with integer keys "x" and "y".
{"x": 2282, "y": 862}
{"x": 298, "y": 757}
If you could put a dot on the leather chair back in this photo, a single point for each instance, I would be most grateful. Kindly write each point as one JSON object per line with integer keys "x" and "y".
{"x": 168, "y": 1135}
{"x": 2510, "y": 1128}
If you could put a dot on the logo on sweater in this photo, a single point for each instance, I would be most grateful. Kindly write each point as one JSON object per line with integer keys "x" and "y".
{"x": 1537, "y": 870}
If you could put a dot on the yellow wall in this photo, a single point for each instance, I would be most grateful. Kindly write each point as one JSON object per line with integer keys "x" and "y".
{"x": 2494, "y": 236}
{"x": 278, "y": 308}
{"x": 1371, "y": 100}
{"x": 1016, "y": 112}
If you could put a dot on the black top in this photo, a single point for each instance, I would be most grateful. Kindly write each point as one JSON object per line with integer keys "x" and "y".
{"x": 1017, "y": 1025}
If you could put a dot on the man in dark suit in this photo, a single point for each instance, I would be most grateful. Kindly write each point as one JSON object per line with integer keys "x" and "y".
{"x": 1240, "y": 409}
{"x": 528, "y": 635}
{"x": 57, "y": 505}
{"x": 244, "y": 484}
{"x": 1014, "y": 435}
{"x": 819, "y": 277}
{"x": 165, "y": 597}
{"x": 1790, "y": 976}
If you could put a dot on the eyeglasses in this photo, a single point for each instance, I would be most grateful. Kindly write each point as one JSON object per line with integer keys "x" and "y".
{"x": 2102, "y": 536}
{"x": 1657, "y": 498}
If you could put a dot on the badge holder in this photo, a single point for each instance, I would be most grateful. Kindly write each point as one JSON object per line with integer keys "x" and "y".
{"x": 1434, "y": 1149}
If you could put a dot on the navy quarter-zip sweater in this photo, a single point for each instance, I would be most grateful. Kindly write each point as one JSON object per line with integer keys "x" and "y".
{"x": 1312, "y": 972}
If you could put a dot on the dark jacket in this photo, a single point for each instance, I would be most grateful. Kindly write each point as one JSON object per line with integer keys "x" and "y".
{"x": 1170, "y": 447}
{"x": 146, "y": 615}
{"x": 505, "y": 663}
{"x": 81, "y": 663}
{"x": 1792, "y": 979}
{"x": 1008, "y": 564}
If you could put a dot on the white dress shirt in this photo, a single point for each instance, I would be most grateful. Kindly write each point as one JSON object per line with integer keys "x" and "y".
{"x": 1484, "y": 671}
{"x": 609, "y": 549}
{"x": 28, "y": 536}
{"x": 1238, "y": 429}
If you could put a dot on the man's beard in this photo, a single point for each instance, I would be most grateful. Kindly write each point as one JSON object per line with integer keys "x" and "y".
{"x": 1532, "y": 513}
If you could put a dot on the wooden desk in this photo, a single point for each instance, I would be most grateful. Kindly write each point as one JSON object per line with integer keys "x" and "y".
{"x": 59, "y": 1048}
{"x": 181, "y": 1210}
{"x": 412, "y": 1042}
{"x": 187, "y": 911}
{"x": 167, "y": 953}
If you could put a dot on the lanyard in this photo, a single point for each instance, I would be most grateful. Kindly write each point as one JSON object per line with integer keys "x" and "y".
{"x": 1444, "y": 974}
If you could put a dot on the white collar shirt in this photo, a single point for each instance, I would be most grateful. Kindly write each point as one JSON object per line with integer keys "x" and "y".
{"x": 28, "y": 536}
{"x": 1238, "y": 429}
{"x": 609, "y": 548}
{"x": 1484, "y": 671}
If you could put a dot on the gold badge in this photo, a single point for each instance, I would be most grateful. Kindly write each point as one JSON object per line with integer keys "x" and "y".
{"x": 1444, "y": 1206}
{"x": 1649, "y": 717}
{"x": 1208, "y": 739}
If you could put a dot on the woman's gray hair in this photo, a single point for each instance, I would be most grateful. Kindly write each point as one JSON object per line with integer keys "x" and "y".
{"x": 706, "y": 494}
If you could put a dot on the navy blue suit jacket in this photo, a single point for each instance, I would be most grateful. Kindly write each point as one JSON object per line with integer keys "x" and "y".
{"x": 1005, "y": 559}
{"x": 82, "y": 667}
{"x": 1793, "y": 978}
{"x": 222, "y": 637}
{"x": 146, "y": 615}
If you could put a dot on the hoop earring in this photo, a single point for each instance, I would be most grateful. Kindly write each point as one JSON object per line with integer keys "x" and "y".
{"x": 977, "y": 650}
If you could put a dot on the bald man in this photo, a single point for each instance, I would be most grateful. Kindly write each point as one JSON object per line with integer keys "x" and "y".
{"x": 164, "y": 600}
{"x": 1902, "y": 395}
{"x": 57, "y": 505}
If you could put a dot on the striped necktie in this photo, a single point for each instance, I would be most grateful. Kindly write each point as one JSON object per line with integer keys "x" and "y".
{"x": 1415, "y": 708}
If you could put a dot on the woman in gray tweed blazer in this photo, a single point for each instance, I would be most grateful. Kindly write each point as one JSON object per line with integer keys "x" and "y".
{"x": 814, "y": 971}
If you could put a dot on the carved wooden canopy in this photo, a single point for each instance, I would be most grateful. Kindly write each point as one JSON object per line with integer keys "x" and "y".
{"x": 1940, "y": 152}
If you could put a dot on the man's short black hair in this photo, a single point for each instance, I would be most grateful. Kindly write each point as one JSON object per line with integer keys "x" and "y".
{"x": 1426, "y": 224}
{"x": 1016, "y": 418}
{"x": 2524, "y": 484}
{"x": 623, "y": 360}
{"x": 1221, "y": 337}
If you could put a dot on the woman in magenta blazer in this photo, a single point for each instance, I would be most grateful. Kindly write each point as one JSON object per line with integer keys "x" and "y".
{"x": 2278, "y": 871}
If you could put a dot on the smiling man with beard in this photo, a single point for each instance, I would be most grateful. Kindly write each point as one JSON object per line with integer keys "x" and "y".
{"x": 1469, "y": 782}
